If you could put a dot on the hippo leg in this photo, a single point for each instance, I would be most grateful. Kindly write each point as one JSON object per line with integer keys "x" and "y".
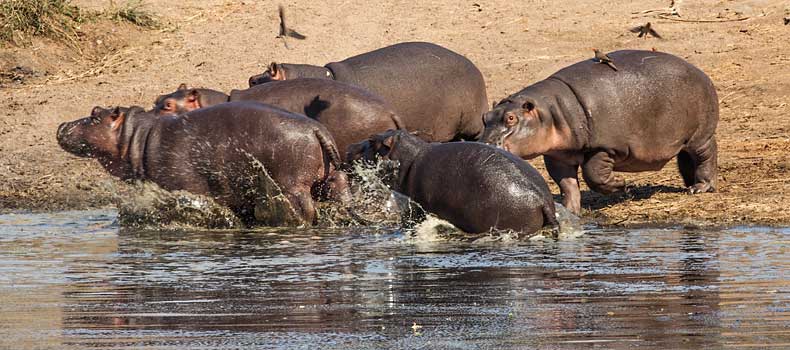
{"x": 705, "y": 162}
{"x": 303, "y": 204}
{"x": 598, "y": 173}
{"x": 566, "y": 176}
{"x": 686, "y": 166}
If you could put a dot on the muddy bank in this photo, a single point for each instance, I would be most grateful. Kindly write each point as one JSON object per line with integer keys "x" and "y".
{"x": 220, "y": 44}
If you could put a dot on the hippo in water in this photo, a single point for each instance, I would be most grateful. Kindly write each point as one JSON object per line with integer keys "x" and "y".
{"x": 436, "y": 92}
{"x": 350, "y": 113}
{"x": 474, "y": 186}
{"x": 212, "y": 151}
{"x": 654, "y": 107}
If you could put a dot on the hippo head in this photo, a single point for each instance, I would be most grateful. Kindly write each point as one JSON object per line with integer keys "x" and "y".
{"x": 96, "y": 136}
{"x": 520, "y": 127}
{"x": 273, "y": 73}
{"x": 380, "y": 146}
{"x": 397, "y": 149}
{"x": 184, "y": 100}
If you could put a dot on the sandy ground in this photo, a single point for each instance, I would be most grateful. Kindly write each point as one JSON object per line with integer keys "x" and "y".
{"x": 220, "y": 43}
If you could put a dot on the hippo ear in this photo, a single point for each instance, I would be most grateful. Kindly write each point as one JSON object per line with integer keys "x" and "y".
{"x": 389, "y": 140}
{"x": 118, "y": 117}
{"x": 183, "y": 86}
{"x": 192, "y": 95}
{"x": 273, "y": 68}
{"x": 529, "y": 106}
{"x": 96, "y": 110}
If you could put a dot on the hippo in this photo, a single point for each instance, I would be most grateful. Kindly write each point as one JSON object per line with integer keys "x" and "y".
{"x": 654, "y": 107}
{"x": 437, "y": 92}
{"x": 474, "y": 186}
{"x": 211, "y": 151}
{"x": 350, "y": 113}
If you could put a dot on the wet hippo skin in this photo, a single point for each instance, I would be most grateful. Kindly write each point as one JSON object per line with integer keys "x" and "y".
{"x": 350, "y": 113}
{"x": 210, "y": 151}
{"x": 655, "y": 107}
{"x": 436, "y": 92}
{"x": 474, "y": 186}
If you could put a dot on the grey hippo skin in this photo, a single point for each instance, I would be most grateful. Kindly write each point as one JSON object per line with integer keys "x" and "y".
{"x": 209, "y": 152}
{"x": 350, "y": 113}
{"x": 474, "y": 186}
{"x": 656, "y": 106}
{"x": 437, "y": 92}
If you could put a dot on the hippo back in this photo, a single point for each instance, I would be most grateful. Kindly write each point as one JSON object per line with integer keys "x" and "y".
{"x": 432, "y": 88}
{"x": 350, "y": 113}
{"x": 487, "y": 187}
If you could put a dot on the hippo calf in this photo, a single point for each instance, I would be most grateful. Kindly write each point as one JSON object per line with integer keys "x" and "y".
{"x": 654, "y": 107}
{"x": 350, "y": 113}
{"x": 474, "y": 186}
{"x": 436, "y": 92}
{"x": 212, "y": 151}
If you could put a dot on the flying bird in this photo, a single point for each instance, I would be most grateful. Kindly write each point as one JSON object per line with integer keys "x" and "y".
{"x": 644, "y": 30}
{"x": 604, "y": 58}
{"x": 284, "y": 30}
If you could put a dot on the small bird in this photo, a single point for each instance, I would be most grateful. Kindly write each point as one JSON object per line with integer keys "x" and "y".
{"x": 284, "y": 30}
{"x": 645, "y": 30}
{"x": 604, "y": 58}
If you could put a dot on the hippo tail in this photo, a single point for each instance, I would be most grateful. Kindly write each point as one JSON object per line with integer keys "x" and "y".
{"x": 329, "y": 147}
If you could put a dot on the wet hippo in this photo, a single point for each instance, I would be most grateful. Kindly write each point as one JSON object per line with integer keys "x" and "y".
{"x": 654, "y": 107}
{"x": 350, "y": 113}
{"x": 437, "y": 92}
{"x": 474, "y": 186}
{"x": 211, "y": 151}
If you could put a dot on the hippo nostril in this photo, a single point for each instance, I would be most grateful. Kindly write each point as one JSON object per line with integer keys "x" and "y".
{"x": 61, "y": 130}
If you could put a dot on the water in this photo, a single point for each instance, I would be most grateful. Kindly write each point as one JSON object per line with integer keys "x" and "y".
{"x": 73, "y": 280}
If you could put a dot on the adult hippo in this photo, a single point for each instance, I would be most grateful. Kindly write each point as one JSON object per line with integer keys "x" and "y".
{"x": 437, "y": 92}
{"x": 350, "y": 113}
{"x": 213, "y": 151}
{"x": 654, "y": 107}
{"x": 474, "y": 186}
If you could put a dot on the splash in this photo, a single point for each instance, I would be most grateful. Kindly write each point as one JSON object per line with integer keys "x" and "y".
{"x": 145, "y": 205}
{"x": 272, "y": 207}
{"x": 434, "y": 229}
{"x": 373, "y": 201}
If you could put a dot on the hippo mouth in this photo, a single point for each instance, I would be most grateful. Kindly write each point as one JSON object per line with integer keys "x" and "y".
{"x": 502, "y": 141}
{"x": 66, "y": 142}
{"x": 78, "y": 149}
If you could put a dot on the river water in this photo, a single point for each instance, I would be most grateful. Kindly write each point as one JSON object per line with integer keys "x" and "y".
{"x": 75, "y": 280}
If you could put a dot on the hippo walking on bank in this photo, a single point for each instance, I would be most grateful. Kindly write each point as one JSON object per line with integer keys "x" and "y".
{"x": 350, "y": 113}
{"x": 436, "y": 92}
{"x": 474, "y": 186}
{"x": 212, "y": 151}
{"x": 654, "y": 107}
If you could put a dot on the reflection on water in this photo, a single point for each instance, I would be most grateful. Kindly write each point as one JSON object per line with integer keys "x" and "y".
{"x": 72, "y": 280}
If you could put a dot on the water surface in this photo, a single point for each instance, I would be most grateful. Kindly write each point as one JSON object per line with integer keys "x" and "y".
{"x": 75, "y": 280}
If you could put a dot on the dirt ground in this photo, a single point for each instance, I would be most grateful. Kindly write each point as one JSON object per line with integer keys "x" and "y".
{"x": 220, "y": 43}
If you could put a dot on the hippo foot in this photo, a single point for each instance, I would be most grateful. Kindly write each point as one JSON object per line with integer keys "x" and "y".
{"x": 701, "y": 188}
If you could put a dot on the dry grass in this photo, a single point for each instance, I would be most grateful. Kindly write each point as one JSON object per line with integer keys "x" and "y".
{"x": 51, "y": 18}
{"x": 59, "y": 19}
{"x": 134, "y": 12}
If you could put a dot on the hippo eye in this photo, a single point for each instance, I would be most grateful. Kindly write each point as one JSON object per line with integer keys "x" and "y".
{"x": 510, "y": 120}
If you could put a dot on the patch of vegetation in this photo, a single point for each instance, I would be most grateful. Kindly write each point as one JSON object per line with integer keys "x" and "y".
{"x": 59, "y": 19}
{"x": 52, "y": 18}
{"x": 133, "y": 11}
